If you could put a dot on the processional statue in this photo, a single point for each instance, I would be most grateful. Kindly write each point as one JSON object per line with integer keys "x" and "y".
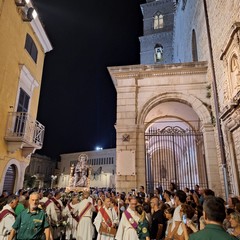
{"x": 79, "y": 174}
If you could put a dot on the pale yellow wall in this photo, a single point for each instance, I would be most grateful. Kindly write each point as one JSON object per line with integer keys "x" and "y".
{"x": 12, "y": 53}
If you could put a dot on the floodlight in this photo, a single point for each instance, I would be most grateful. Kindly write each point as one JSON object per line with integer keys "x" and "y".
{"x": 29, "y": 14}
{"x": 21, "y": 3}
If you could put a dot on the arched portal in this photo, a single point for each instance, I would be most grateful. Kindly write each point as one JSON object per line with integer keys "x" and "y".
{"x": 174, "y": 147}
{"x": 9, "y": 180}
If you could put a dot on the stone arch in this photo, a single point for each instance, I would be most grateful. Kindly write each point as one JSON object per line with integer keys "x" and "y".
{"x": 198, "y": 106}
{"x": 18, "y": 173}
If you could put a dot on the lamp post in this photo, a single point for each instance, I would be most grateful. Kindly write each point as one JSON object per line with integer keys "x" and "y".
{"x": 53, "y": 178}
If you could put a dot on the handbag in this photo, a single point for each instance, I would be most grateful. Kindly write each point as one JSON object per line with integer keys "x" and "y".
{"x": 109, "y": 231}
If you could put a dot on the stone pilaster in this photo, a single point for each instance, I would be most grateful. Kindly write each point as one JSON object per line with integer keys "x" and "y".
{"x": 212, "y": 165}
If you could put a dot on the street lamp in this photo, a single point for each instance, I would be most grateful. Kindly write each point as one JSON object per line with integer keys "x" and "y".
{"x": 99, "y": 148}
{"x": 53, "y": 178}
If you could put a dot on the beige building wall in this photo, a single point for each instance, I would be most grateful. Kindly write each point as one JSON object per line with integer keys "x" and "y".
{"x": 18, "y": 70}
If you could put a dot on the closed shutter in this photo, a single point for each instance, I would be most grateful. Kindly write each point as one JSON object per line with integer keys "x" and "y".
{"x": 9, "y": 180}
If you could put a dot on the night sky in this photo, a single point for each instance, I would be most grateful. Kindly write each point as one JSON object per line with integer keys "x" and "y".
{"x": 78, "y": 100}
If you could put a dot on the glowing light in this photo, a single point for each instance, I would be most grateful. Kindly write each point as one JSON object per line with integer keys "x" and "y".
{"x": 34, "y": 14}
{"x": 99, "y": 148}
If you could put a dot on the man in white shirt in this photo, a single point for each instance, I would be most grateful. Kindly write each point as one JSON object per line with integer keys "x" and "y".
{"x": 54, "y": 209}
{"x": 84, "y": 210}
{"x": 127, "y": 229}
{"x": 106, "y": 218}
{"x": 179, "y": 198}
{"x": 7, "y": 217}
{"x": 68, "y": 212}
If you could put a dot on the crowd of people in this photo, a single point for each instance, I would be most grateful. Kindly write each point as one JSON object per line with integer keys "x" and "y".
{"x": 105, "y": 214}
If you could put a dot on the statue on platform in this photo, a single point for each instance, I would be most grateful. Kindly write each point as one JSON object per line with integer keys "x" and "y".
{"x": 81, "y": 171}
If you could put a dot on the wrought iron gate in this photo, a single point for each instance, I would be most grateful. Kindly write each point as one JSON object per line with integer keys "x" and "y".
{"x": 174, "y": 154}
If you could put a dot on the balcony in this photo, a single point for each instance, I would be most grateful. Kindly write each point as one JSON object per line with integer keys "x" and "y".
{"x": 23, "y": 132}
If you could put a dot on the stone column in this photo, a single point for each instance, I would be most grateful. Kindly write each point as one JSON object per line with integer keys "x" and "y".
{"x": 126, "y": 131}
{"x": 126, "y": 141}
{"x": 212, "y": 164}
{"x": 140, "y": 156}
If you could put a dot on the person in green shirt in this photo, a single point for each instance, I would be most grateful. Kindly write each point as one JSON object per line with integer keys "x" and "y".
{"x": 31, "y": 223}
{"x": 19, "y": 208}
{"x": 143, "y": 225}
{"x": 214, "y": 214}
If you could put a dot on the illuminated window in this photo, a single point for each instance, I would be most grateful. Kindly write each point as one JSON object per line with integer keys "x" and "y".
{"x": 158, "y": 21}
{"x": 158, "y": 53}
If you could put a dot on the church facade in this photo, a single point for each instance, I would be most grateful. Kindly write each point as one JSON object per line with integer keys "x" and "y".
{"x": 178, "y": 114}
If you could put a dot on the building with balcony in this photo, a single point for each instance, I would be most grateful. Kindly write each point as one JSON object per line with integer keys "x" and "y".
{"x": 102, "y": 164}
{"x": 23, "y": 45}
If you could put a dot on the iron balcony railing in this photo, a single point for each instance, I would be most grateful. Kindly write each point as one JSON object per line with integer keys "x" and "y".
{"x": 21, "y": 127}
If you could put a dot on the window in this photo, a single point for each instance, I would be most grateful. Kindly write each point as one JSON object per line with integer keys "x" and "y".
{"x": 23, "y": 101}
{"x": 194, "y": 47}
{"x": 22, "y": 107}
{"x": 158, "y": 53}
{"x": 30, "y": 46}
{"x": 184, "y": 2}
{"x": 158, "y": 21}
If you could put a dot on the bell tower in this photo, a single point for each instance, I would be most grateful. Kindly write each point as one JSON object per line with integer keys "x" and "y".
{"x": 156, "y": 44}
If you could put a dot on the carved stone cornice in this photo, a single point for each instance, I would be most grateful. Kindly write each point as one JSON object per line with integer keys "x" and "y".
{"x": 155, "y": 36}
{"x": 233, "y": 35}
{"x": 156, "y": 3}
{"x": 231, "y": 114}
{"x": 147, "y": 71}
{"x": 230, "y": 108}
{"x": 233, "y": 121}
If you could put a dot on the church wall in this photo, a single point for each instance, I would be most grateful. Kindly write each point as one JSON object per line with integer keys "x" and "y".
{"x": 220, "y": 21}
{"x": 140, "y": 89}
{"x": 152, "y": 87}
{"x": 192, "y": 17}
{"x": 220, "y": 25}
